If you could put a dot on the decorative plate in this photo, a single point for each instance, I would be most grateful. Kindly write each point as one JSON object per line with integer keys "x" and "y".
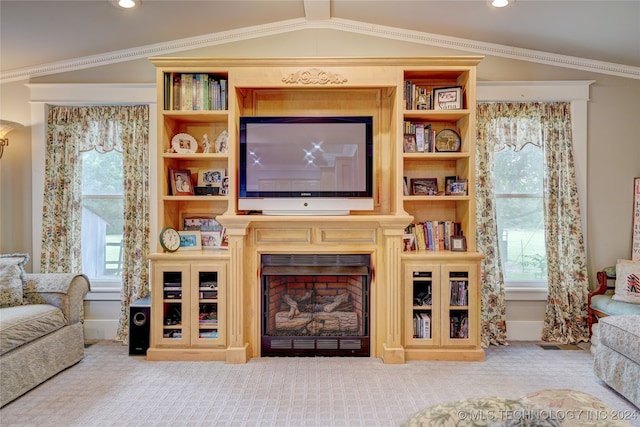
{"x": 448, "y": 140}
{"x": 184, "y": 143}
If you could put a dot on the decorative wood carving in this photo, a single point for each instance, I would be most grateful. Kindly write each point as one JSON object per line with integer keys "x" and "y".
{"x": 314, "y": 76}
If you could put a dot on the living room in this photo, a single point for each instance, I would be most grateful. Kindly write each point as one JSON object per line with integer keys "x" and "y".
{"x": 604, "y": 169}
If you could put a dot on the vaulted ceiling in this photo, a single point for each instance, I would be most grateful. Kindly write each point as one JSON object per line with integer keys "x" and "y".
{"x": 49, "y": 36}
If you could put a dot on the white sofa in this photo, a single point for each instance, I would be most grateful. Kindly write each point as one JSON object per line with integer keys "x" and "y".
{"x": 43, "y": 335}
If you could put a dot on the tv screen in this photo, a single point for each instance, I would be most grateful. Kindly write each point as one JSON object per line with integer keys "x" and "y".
{"x": 297, "y": 160}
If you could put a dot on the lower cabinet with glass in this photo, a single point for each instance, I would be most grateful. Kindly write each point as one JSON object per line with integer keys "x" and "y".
{"x": 442, "y": 310}
{"x": 187, "y": 309}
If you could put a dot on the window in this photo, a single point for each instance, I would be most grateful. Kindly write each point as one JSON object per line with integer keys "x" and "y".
{"x": 577, "y": 92}
{"x": 518, "y": 179}
{"x": 102, "y": 218}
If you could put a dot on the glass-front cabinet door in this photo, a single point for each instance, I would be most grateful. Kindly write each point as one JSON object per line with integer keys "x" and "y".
{"x": 192, "y": 308}
{"x": 207, "y": 304}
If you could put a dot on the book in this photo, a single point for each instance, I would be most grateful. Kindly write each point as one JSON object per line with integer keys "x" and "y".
{"x": 176, "y": 103}
{"x": 419, "y": 137}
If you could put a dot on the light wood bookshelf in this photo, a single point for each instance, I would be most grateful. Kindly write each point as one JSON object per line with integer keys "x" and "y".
{"x": 320, "y": 86}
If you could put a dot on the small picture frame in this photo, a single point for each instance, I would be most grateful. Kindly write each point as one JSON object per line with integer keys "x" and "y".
{"x": 211, "y": 239}
{"x": 224, "y": 189}
{"x": 181, "y": 182}
{"x": 459, "y": 188}
{"x": 458, "y": 244}
{"x": 423, "y": 98}
{"x": 201, "y": 223}
{"x": 409, "y": 243}
{"x": 448, "y": 180}
{"x": 211, "y": 177}
{"x": 447, "y": 98}
{"x": 410, "y": 145}
{"x": 222, "y": 142}
{"x": 190, "y": 240}
{"x": 424, "y": 186}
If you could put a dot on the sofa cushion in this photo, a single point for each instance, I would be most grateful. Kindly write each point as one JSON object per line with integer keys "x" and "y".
{"x": 627, "y": 281}
{"x": 12, "y": 276}
{"x": 22, "y": 324}
{"x": 607, "y": 305}
{"x": 621, "y": 334}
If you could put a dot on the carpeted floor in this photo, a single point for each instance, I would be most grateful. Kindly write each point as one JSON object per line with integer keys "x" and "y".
{"x": 110, "y": 388}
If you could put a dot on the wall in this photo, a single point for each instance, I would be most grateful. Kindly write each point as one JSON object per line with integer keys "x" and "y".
{"x": 612, "y": 153}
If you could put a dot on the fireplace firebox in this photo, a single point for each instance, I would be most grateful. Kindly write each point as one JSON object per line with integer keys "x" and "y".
{"x": 315, "y": 304}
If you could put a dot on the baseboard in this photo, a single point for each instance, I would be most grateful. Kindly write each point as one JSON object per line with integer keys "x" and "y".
{"x": 100, "y": 329}
{"x": 524, "y": 330}
{"x": 516, "y": 330}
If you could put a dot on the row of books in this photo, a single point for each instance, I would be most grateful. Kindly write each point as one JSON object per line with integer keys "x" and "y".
{"x": 433, "y": 235}
{"x": 459, "y": 326}
{"x": 459, "y": 292}
{"x": 419, "y": 138}
{"x": 417, "y": 97}
{"x": 421, "y": 325}
{"x": 192, "y": 92}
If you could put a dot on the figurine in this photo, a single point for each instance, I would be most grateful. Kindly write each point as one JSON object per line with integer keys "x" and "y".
{"x": 206, "y": 144}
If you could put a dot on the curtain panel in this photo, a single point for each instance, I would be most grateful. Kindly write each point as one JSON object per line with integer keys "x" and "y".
{"x": 72, "y": 130}
{"x": 510, "y": 125}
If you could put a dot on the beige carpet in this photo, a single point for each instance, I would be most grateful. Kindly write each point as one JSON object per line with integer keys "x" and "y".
{"x": 110, "y": 388}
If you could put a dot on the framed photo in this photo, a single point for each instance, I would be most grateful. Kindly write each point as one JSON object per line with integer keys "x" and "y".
{"x": 181, "y": 182}
{"x": 190, "y": 240}
{"x": 409, "y": 243}
{"x": 410, "y": 145}
{"x": 459, "y": 188}
{"x": 447, "y": 98}
{"x": 184, "y": 143}
{"x": 458, "y": 244}
{"x": 211, "y": 239}
{"x": 224, "y": 189}
{"x": 448, "y": 180}
{"x": 635, "y": 245}
{"x": 211, "y": 177}
{"x": 200, "y": 223}
{"x": 424, "y": 186}
{"x": 222, "y": 142}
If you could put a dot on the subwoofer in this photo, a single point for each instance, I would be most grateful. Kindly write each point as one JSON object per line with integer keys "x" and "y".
{"x": 139, "y": 326}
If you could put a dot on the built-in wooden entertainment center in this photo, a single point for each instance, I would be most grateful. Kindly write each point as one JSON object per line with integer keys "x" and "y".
{"x": 421, "y": 304}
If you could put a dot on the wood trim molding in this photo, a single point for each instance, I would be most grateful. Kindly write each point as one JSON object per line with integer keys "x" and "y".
{"x": 345, "y": 25}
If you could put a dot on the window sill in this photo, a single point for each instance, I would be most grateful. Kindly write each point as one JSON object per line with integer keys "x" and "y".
{"x": 525, "y": 294}
{"x": 103, "y": 294}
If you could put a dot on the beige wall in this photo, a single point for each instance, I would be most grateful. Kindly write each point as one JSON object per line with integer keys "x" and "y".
{"x": 613, "y": 139}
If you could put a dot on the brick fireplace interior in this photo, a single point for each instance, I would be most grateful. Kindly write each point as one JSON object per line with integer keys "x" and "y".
{"x": 315, "y": 304}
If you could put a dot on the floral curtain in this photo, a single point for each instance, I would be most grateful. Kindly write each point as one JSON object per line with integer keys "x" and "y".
{"x": 493, "y": 318}
{"x": 566, "y": 311}
{"x": 70, "y": 131}
{"x": 511, "y": 126}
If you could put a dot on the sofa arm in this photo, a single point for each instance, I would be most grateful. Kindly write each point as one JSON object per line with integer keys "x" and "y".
{"x": 63, "y": 290}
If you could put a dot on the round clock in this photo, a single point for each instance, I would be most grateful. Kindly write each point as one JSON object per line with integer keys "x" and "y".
{"x": 170, "y": 239}
{"x": 447, "y": 140}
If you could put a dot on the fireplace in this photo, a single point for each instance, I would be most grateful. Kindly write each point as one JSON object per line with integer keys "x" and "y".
{"x": 315, "y": 304}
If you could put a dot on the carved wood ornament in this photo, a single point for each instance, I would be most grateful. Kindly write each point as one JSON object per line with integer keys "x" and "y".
{"x": 314, "y": 76}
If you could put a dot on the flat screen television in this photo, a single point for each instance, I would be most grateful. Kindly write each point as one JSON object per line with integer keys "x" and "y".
{"x": 306, "y": 165}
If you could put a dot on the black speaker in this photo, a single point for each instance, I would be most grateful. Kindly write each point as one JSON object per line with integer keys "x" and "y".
{"x": 139, "y": 326}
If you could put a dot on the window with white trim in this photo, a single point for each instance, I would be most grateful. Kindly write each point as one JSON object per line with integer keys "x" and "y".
{"x": 518, "y": 179}
{"x": 102, "y": 218}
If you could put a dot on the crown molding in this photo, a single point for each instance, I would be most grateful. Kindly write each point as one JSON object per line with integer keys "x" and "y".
{"x": 298, "y": 24}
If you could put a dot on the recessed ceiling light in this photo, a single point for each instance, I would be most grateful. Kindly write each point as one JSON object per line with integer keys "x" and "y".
{"x": 500, "y": 3}
{"x": 126, "y": 4}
